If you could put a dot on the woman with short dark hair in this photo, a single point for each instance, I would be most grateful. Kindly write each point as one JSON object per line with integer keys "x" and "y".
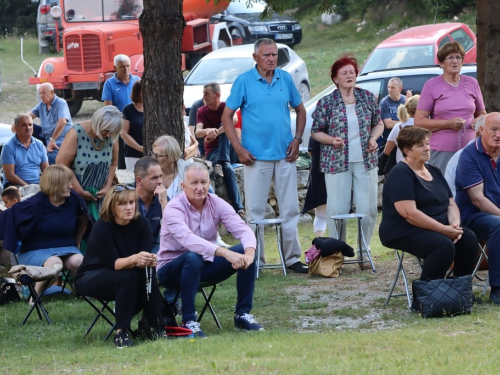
{"x": 449, "y": 106}
{"x": 116, "y": 263}
{"x": 419, "y": 214}
{"x": 133, "y": 121}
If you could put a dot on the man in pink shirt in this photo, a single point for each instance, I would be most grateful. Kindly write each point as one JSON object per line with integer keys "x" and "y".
{"x": 188, "y": 254}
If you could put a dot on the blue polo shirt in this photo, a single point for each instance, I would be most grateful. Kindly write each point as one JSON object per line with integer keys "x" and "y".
{"x": 266, "y": 129}
{"x": 49, "y": 118}
{"x": 117, "y": 92}
{"x": 27, "y": 161}
{"x": 475, "y": 166}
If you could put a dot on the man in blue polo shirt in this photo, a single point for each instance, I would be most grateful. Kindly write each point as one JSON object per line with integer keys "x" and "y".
{"x": 117, "y": 90}
{"x": 268, "y": 149}
{"x": 55, "y": 119}
{"x": 23, "y": 157}
{"x": 478, "y": 194}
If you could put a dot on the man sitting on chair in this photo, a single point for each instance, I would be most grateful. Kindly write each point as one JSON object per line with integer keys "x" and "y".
{"x": 188, "y": 254}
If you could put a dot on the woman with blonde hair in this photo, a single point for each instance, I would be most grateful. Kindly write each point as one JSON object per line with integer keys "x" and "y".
{"x": 49, "y": 225}
{"x": 119, "y": 258}
{"x": 91, "y": 151}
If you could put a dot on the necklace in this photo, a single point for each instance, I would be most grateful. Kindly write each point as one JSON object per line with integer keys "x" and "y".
{"x": 448, "y": 82}
{"x": 97, "y": 148}
{"x": 349, "y": 103}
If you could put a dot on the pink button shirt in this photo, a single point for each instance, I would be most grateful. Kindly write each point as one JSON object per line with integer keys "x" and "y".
{"x": 445, "y": 102}
{"x": 186, "y": 229}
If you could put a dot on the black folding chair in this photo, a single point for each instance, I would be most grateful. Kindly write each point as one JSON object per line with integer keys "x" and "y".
{"x": 208, "y": 298}
{"x": 101, "y": 313}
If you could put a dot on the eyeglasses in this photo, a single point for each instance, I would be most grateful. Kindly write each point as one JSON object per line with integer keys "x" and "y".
{"x": 119, "y": 187}
{"x": 451, "y": 58}
{"x": 157, "y": 156}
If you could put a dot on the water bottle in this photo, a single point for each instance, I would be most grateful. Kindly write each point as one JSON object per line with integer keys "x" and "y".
{"x": 25, "y": 292}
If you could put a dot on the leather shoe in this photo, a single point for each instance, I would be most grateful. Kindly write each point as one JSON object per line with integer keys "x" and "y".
{"x": 495, "y": 297}
{"x": 298, "y": 267}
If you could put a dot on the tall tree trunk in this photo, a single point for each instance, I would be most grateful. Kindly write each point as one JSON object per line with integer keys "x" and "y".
{"x": 161, "y": 25}
{"x": 488, "y": 57}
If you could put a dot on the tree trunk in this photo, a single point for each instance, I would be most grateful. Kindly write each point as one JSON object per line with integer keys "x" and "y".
{"x": 161, "y": 25}
{"x": 488, "y": 57}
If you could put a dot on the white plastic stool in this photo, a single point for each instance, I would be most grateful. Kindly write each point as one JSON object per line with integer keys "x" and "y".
{"x": 340, "y": 221}
{"x": 260, "y": 224}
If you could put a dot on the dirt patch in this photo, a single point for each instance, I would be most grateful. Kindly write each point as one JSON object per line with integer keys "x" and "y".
{"x": 355, "y": 300}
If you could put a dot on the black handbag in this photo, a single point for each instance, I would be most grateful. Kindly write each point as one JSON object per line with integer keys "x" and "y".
{"x": 8, "y": 291}
{"x": 443, "y": 297}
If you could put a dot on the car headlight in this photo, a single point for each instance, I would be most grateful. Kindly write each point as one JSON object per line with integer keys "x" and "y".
{"x": 257, "y": 29}
{"x": 296, "y": 26}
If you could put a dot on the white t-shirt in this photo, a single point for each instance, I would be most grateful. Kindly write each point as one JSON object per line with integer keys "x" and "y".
{"x": 394, "y": 134}
{"x": 355, "y": 151}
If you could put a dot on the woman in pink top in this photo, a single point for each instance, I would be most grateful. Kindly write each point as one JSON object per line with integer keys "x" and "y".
{"x": 449, "y": 106}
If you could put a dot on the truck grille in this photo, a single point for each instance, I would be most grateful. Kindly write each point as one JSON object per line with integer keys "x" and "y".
{"x": 82, "y": 52}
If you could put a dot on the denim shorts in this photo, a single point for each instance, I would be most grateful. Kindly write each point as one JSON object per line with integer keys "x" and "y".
{"x": 38, "y": 257}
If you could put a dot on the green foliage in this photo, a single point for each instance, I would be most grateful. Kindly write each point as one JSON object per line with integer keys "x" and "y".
{"x": 18, "y": 17}
{"x": 447, "y": 8}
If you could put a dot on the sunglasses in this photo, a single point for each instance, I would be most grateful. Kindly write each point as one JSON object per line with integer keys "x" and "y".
{"x": 119, "y": 188}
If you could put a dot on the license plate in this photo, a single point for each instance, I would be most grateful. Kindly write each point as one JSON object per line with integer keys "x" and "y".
{"x": 284, "y": 36}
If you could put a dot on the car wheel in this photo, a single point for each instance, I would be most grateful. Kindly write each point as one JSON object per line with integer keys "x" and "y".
{"x": 304, "y": 92}
{"x": 74, "y": 106}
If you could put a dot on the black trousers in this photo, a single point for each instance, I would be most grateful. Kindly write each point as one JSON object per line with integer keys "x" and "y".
{"x": 439, "y": 252}
{"x": 128, "y": 289}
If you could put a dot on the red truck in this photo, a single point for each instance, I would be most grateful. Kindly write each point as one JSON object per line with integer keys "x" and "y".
{"x": 94, "y": 31}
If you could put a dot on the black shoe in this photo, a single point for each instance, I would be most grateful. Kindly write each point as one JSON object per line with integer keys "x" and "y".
{"x": 122, "y": 339}
{"x": 495, "y": 297}
{"x": 298, "y": 267}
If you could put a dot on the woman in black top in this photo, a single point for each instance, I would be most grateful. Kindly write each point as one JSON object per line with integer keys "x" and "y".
{"x": 133, "y": 121}
{"x": 419, "y": 215}
{"x": 114, "y": 267}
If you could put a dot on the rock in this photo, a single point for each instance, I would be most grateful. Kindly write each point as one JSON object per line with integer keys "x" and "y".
{"x": 330, "y": 18}
{"x": 273, "y": 202}
{"x": 125, "y": 177}
{"x": 302, "y": 178}
{"x": 270, "y": 213}
{"x": 29, "y": 190}
{"x": 306, "y": 218}
{"x": 302, "y": 194}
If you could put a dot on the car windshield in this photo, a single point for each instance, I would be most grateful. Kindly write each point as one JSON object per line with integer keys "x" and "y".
{"x": 399, "y": 57}
{"x": 240, "y": 6}
{"x": 222, "y": 71}
{"x": 102, "y": 10}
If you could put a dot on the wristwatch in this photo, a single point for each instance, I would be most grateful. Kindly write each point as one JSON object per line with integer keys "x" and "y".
{"x": 299, "y": 138}
{"x": 51, "y": 139}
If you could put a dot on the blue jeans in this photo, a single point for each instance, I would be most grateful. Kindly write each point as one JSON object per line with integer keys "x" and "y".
{"x": 224, "y": 155}
{"x": 52, "y": 155}
{"x": 185, "y": 273}
{"x": 487, "y": 228}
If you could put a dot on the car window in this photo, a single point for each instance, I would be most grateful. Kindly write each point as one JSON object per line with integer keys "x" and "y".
{"x": 399, "y": 57}
{"x": 415, "y": 83}
{"x": 463, "y": 38}
{"x": 222, "y": 71}
{"x": 240, "y": 6}
{"x": 443, "y": 41}
{"x": 93, "y": 10}
{"x": 375, "y": 86}
{"x": 283, "y": 57}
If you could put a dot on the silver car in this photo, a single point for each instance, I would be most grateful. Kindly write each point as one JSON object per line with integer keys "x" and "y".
{"x": 376, "y": 82}
{"x": 225, "y": 64}
{"x": 46, "y": 26}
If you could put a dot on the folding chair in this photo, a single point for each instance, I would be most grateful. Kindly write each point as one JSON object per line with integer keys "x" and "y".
{"x": 401, "y": 271}
{"x": 482, "y": 255}
{"x": 101, "y": 313}
{"x": 35, "y": 297}
{"x": 207, "y": 298}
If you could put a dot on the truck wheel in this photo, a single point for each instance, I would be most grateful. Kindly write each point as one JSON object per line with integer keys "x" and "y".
{"x": 74, "y": 106}
{"x": 304, "y": 92}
